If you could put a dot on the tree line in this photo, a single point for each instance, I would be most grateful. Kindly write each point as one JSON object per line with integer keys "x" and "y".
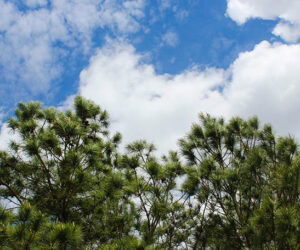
{"x": 65, "y": 184}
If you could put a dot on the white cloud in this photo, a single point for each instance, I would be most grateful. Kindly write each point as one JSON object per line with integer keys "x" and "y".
{"x": 161, "y": 108}
{"x": 5, "y": 137}
{"x": 266, "y": 82}
{"x": 143, "y": 104}
{"x": 170, "y": 38}
{"x": 287, "y": 11}
{"x": 242, "y": 10}
{"x": 30, "y": 57}
{"x": 287, "y": 31}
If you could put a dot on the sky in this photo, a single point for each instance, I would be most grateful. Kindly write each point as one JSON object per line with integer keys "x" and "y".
{"x": 154, "y": 65}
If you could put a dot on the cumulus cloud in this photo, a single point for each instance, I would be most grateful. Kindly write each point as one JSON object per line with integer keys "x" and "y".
{"x": 265, "y": 82}
{"x": 29, "y": 39}
{"x": 161, "y": 108}
{"x": 143, "y": 104}
{"x": 287, "y": 12}
{"x": 287, "y": 31}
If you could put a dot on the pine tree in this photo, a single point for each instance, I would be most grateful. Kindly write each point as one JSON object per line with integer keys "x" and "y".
{"x": 63, "y": 163}
{"x": 246, "y": 182}
{"x": 237, "y": 186}
{"x": 152, "y": 185}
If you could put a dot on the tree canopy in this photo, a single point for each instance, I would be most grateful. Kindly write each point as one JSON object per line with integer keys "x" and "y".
{"x": 65, "y": 184}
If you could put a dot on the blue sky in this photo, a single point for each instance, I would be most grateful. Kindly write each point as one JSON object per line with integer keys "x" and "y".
{"x": 154, "y": 64}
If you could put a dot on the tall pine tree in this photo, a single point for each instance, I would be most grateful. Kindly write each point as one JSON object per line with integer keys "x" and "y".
{"x": 63, "y": 164}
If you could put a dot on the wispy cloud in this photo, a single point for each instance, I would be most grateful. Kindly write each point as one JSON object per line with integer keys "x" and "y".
{"x": 170, "y": 38}
{"x": 181, "y": 14}
{"x": 36, "y": 3}
{"x": 164, "y": 4}
{"x": 33, "y": 41}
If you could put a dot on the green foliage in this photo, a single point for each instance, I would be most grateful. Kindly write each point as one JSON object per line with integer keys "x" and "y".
{"x": 233, "y": 185}
{"x": 246, "y": 180}
{"x": 152, "y": 184}
{"x": 63, "y": 163}
{"x": 30, "y": 229}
